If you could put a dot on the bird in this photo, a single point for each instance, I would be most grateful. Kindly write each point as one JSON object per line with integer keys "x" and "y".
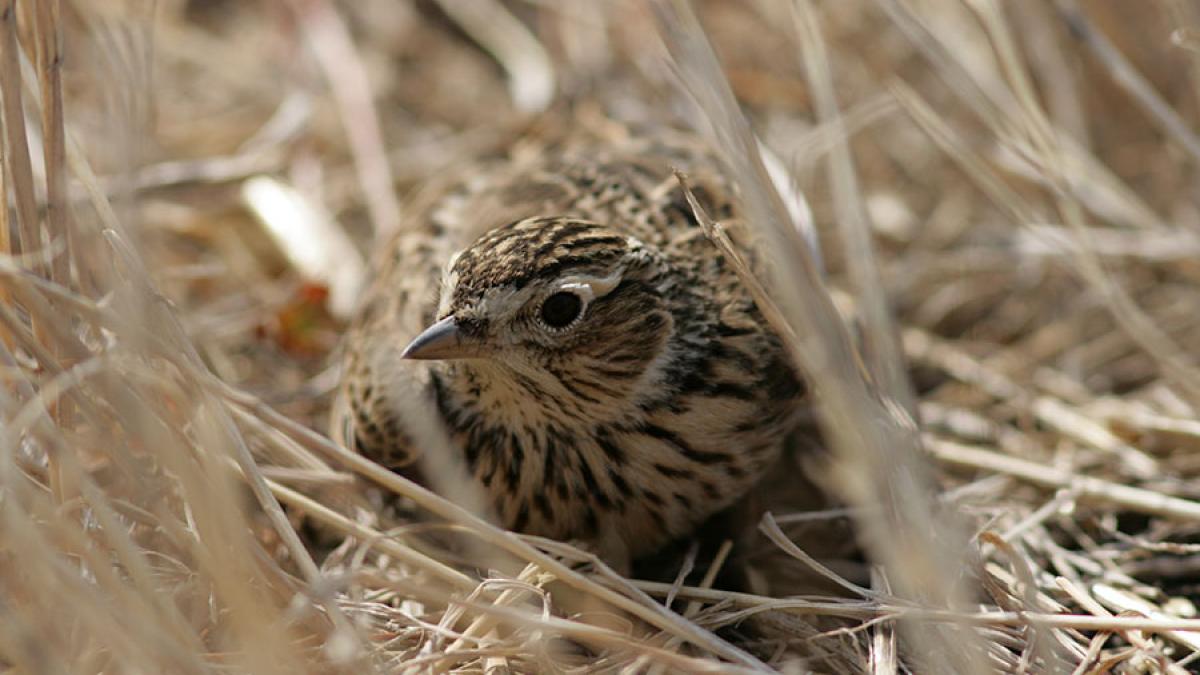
{"x": 602, "y": 373}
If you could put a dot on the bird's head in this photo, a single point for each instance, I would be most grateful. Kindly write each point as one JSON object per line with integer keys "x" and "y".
{"x": 562, "y": 306}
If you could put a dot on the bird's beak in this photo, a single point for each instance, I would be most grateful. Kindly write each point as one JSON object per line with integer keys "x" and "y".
{"x": 442, "y": 340}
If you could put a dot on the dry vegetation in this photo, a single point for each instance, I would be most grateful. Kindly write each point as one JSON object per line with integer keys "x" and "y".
{"x": 1016, "y": 180}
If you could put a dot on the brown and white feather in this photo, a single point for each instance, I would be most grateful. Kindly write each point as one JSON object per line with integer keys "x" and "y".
{"x": 663, "y": 403}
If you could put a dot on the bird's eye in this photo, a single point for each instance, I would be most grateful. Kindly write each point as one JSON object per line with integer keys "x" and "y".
{"x": 561, "y": 309}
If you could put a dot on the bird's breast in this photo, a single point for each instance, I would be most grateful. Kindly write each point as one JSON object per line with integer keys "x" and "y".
{"x": 644, "y": 479}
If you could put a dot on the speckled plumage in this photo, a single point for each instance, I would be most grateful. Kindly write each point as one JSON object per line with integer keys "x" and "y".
{"x": 660, "y": 405}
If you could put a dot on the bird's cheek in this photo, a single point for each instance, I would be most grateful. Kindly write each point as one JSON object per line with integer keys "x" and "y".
{"x": 517, "y": 339}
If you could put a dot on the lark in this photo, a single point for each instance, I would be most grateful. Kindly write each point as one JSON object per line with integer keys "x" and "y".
{"x": 599, "y": 366}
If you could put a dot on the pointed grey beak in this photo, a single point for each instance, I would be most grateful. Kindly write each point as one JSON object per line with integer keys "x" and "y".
{"x": 442, "y": 340}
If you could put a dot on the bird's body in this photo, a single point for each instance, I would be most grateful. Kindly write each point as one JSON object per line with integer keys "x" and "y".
{"x": 601, "y": 369}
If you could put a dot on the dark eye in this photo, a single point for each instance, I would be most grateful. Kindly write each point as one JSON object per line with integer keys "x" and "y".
{"x": 560, "y": 309}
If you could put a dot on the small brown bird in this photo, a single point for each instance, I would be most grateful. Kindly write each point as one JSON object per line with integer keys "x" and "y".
{"x": 602, "y": 370}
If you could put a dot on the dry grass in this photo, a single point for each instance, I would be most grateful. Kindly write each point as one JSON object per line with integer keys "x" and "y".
{"x": 1005, "y": 199}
